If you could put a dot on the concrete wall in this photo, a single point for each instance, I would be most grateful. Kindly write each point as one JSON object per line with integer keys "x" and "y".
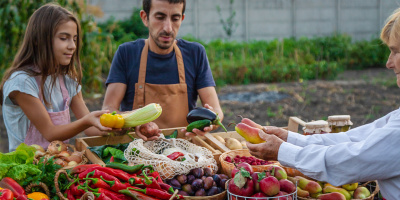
{"x": 270, "y": 19}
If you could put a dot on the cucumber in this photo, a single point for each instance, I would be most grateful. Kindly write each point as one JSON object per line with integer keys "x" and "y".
{"x": 126, "y": 168}
{"x": 200, "y": 124}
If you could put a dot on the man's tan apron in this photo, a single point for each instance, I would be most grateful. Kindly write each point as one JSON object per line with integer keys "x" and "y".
{"x": 173, "y": 98}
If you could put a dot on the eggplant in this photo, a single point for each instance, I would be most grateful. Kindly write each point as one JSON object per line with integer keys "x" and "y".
{"x": 201, "y": 113}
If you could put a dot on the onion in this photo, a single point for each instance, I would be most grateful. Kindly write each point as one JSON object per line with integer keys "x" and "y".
{"x": 38, "y": 147}
{"x": 61, "y": 162}
{"x": 63, "y": 154}
{"x": 75, "y": 158}
{"x": 72, "y": 163}
{"x": 78, "y": 153}
{"x": 56, "y": 147}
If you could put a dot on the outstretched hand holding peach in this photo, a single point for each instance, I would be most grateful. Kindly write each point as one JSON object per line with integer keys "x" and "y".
{"x": 267, "y": 150}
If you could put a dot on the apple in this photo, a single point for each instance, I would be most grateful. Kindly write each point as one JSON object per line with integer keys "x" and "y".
{"x": 256, "y": 183}
{"x": 258, "y": 194}
{"x": 247, "y": 190}
{"x": 270, "y": 185}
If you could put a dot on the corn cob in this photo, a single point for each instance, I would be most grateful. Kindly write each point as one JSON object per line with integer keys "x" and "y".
{"x": 142, "y": 115}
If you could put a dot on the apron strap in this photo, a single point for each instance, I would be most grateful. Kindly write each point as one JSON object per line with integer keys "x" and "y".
{"x": 143, "y": 66}
{"x": 64, "y": 90}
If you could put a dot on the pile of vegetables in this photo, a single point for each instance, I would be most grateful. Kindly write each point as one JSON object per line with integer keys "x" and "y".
{"x": 60, "y": 151}
{"x": 117, "y": 181}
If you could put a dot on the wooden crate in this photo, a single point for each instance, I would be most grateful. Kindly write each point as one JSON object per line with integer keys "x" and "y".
{"x": 83, "y": 143}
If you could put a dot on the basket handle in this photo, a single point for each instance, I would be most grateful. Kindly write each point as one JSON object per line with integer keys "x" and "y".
{"x": 28, "y": 188}
{"x": 59, "y": 194}
{"x": 173, "y": 196}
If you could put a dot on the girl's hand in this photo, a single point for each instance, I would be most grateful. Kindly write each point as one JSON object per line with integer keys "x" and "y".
{"x": 93, "y": 119}
{"x": 205, "y": 129}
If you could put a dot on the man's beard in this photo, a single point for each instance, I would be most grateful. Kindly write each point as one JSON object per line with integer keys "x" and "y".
{"x": 160, "y": 44}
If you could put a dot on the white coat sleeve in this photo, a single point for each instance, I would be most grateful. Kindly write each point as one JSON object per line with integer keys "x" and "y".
{"x": 374, "y": 158}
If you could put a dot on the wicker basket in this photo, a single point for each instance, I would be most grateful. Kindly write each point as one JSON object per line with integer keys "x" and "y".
{"x": 372, "y": 186}
{"x": 46, "y": 190}
{"x": 227, "y": 167}
{"x": 59, "y": 193}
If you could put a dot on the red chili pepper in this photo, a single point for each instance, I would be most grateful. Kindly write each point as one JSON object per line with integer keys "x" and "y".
{"x": 167, "y": 187}
{"x": 75, "y": 191}
{"x": 81, "y": 168}
{"x": 97, "y": 174}
{"x": 160, "y": 194}
{"x": 151, "y": 183}
{"x": 137, "y": 195}
{"x": 115, "y": 172}
{"x": 6, "y": 194}
{"x": 175, "y": 155}
{"x": 157, "y": 176}
{"x": 22, "y": 197}
{"x": 135, "y": 180}
{"x": 116, "y": 185}
{"x": 101, "y": 196}
{"x": 69, "y": 195}
{"x": 98, "y": 183}
{"x": 112, "y": 159}
{"x": 110, "y": 194}
{"x": 9, "y": 183}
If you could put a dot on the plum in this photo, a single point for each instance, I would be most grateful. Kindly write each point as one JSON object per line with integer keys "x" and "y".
{"x": 208, "y": 172}
{"x": 188, "y": 189}
{"x": 190, "y": 178}
{"x": 182, "y": 179}
{"x": 197, "y": 184}
{"x": 212, "y": 191}
{"x": 208, "y": 183}
{"x": 200, "y": 192}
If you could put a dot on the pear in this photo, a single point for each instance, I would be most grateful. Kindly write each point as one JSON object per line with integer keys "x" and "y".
{"x": 330, "y": 189}
{"x": 302, "y": 193}
{"x": 332, "y": 196}
{"x": 361, "y": 193}
{"x": 311, "y": 186}
{"x": 249, "y": 133}
{"x": 350, "y": 187}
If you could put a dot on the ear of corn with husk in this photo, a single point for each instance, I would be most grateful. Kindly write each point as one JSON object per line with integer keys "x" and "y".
{"x": 142, "y": 115}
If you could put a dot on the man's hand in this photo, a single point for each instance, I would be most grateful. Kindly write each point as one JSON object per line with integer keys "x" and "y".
{"x": 146, "y": 137}
{"x": 267, "y": 150}
{"x": 279, "y": 132}
{"x": 205, "y": 129}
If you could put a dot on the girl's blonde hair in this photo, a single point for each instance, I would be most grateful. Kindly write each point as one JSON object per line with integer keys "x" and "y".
{"x": 391, "y": 30}
{"x": 36, "y": 49}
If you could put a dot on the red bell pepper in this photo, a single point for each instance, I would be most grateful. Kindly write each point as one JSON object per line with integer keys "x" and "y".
{"x": 160, "y": 194}
{"x": 16, "y": 189}
{"x": 175, "y": 155}
{"x": 6, "y": 194}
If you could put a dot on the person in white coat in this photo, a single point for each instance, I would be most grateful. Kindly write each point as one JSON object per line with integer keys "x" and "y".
{"x": 368, "y": 152}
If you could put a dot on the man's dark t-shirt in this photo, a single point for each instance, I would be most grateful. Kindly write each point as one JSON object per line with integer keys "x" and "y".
{"x": 161, "y": 69}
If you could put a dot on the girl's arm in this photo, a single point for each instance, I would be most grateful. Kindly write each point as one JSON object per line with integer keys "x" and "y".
{"x": 80, "y": 110}
{"x": 37, "y": 114}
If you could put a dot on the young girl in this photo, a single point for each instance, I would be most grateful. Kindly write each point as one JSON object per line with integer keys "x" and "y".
{"x": 44, "y": 81}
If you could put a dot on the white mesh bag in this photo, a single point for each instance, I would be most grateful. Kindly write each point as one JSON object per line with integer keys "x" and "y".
{"x": 150, "y": 153}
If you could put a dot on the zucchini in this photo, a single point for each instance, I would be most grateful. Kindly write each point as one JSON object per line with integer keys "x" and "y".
{"x": 125, "y": 168}
{"x": 200, "y": 124}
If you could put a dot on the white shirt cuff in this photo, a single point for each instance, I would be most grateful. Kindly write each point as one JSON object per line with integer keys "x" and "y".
{"x": 297, "y": 139}
{"x": 287, "y": 154}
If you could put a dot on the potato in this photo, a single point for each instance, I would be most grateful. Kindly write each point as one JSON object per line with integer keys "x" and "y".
{"x": 149, "y": 129}
{"x": 233, "y": 144}
{"x": 219, "y": 138}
